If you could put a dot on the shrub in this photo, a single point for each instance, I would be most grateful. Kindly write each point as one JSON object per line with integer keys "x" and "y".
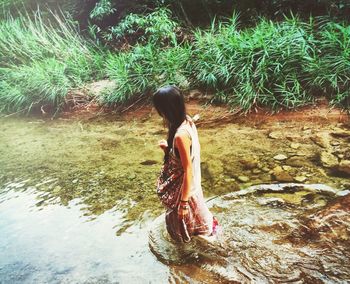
{"x": 154, "y": 28}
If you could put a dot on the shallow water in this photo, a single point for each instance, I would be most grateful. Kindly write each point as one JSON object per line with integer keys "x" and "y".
{"x": 267, "y": 236}
{"x": 77, "y": 199}
{"x": 57, "y": 244}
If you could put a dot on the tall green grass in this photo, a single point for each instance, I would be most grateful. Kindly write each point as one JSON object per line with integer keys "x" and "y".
{"x": 264, "y": 65}
{"x": 274, "y": 64}
{"x": 145, "y": 68}
{"x": 331, "y": 69}
{"x": 41, "y": 61}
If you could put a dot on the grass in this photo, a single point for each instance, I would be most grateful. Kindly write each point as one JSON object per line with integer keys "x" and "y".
{"x": 274, "y": 64}
{"x": 331, "y": 69}
{"x": 40, "y": 61}
{"x": 145, "y": 68}
{"x": 264, "y": 65}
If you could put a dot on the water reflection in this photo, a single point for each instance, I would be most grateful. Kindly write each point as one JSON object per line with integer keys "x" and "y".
{"x": 57, "y": 244}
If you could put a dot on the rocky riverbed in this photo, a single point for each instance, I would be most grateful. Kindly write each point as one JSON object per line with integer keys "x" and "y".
{"x": 103, "y": 168}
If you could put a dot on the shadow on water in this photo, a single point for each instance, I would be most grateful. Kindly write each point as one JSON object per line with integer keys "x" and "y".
{"x": 286, "y": 233}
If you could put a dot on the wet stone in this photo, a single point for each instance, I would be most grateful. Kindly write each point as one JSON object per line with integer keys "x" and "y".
{"x": 280, "y": 157}
{"x": 243, "y": 178}
{"x": 328, "y": 160}
{"x": 149, "y": 162}
{"x": 300, "y": 178}
{"x": 280, "y": 175}
{"x": 321, "y": 140}
{"x": 295, "y": 145}
{"x": 335, "y": 143}
{"x": 344, "y": 167}
{"x": 249, "y": 164}
{"x": 274, "y": 135}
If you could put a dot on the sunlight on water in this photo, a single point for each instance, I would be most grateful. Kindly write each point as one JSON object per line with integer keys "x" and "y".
{"x": 56, "y": 244}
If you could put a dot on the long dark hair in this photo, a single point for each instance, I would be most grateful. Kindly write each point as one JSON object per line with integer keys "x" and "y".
{"x": 170, "y": 104}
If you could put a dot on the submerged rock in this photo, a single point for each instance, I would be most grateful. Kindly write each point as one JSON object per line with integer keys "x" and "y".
{"x": 328, "y": 160}
{"x": 281, "y": 175}
{"x": 249, "y": 164}
{"x": 344, "y": 167}
{"x": 149, "y": 162}
{"x": 274, "y": 135}
{"x": 280, "y": 157}
{"x": 295, "y": 146}
{"x": 243, "y": 178}
{"x": 297, "y": 161}
{"x": 321, "y": 140}
{"x": 300, "y": 178}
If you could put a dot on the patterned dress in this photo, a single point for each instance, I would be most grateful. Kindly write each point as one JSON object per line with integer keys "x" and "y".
{"x": 199, "y": 220}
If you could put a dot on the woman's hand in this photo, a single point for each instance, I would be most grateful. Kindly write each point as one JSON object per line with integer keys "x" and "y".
{"x": 182, "y": 212}
{"x": 163, "y": 144}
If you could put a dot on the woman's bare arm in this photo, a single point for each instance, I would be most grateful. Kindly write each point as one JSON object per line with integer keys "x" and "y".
{"x": 183, "y": 143}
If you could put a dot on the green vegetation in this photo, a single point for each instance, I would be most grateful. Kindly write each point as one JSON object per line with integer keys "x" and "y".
{"x": 275, "y": 64}
{"x": 41, "y": 62}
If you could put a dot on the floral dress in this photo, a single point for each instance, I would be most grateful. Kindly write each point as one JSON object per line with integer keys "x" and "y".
{"x": 199, "y": 220}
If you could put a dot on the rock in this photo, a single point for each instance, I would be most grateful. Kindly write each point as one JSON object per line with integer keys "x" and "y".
{"x": 132, "y": 176}
{"x": 328, "y": 160}
{"x": 274, "y": 135}
{"x": 243, "y": 178}
{"x": 338, "y": 132}
{"x": 265, "y": 169}
{"x": 321, "y": 140}
{"x": 295, "y": 145}
{"x": 344, "y": 167}
{"x": 286, "y": 168}
{"x": 306, "y": 127}
{"x": 293, "y": 137}
{"x": 98, "y": 88}
{"x": 340, "y": 156}
{"x": 335, "y": 143}
{"x": 249, "y": 164}
{"x": 280, "y": 175}
{"x": 256, "y": 171}
{"x": 273, "y": 201}
{"x": 343, "y": 192}
{"x": 300, "y": 178}
{"x": 148, "y": 162}
{"x": 195, "y": 94}
{"x": 280, "y": 157}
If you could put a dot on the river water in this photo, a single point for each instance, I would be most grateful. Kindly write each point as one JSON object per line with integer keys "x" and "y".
{"x": 77, "y": 205}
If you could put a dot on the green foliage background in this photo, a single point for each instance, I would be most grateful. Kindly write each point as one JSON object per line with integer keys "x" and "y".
{"x": 256, "y": 56}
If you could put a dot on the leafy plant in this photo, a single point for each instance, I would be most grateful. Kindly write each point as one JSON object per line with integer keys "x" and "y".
{"x": 155, "y": 28}
{"x": 102, "y": 9}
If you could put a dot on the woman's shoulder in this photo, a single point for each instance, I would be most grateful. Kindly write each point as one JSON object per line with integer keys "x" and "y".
{"x": 183, "y": 133}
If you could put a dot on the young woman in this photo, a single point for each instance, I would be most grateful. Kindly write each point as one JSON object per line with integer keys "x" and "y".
{"x": 187, "y": 213}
